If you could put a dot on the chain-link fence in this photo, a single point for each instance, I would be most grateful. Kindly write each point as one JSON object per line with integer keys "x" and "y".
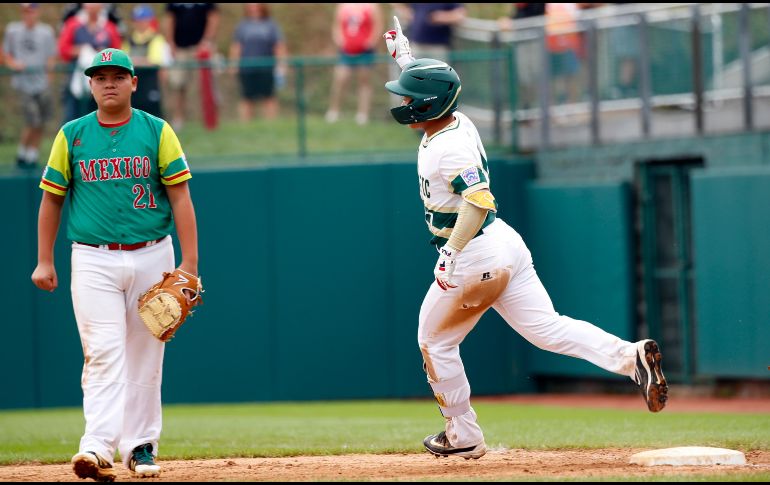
{"x": 301, "y": 129}
{"x": 637, "y": 71}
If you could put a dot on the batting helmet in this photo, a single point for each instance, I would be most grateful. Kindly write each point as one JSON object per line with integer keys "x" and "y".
{"x": 433, "y": 86}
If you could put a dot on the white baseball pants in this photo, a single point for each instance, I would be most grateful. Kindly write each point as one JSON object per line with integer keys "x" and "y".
{"x": 123, "y": 361}
{"x": 495, "y": 270}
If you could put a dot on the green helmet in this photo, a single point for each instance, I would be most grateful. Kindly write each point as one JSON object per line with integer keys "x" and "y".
{"x": 433, "y": 86}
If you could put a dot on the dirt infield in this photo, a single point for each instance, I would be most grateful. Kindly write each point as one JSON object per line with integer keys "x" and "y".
{"x": 497, "y": 464}
{"x": 511, "y": 464}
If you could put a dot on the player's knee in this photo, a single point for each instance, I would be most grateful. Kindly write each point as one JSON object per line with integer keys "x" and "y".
{"x": 103, "y": 365}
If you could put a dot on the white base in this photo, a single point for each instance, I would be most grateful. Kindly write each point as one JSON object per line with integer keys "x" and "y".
{"x": 689, "y": 455}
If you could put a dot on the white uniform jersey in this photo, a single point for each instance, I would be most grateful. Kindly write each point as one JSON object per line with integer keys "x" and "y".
{"x": 450, "y": 164}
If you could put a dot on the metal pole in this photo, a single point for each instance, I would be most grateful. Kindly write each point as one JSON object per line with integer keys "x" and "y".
{"x": 545, "y": 93}
{"x": 697, "y": 67}
{"x": 744, "y": 43}
{"x": 496, "y": 84}
{"x": 300, "y": 93}
{"x": 593, "y": 82}
{"x": 645, "y": 85}
{"x": 512, "y": 95}
{"x": 718, "y": 51}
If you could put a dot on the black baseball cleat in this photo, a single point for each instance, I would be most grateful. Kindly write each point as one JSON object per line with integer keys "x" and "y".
{"x": 439, "y": 445}
{"x": 90, "y": 465}
{"x": 142, "y": 462}
{"x": 649, "y": 375}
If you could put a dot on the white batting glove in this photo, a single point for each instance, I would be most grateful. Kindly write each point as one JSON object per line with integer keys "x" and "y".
{"x": 445, "y": 267}
{"x": 398, "y": 45}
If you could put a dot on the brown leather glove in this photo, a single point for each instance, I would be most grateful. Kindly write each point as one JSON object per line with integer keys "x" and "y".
{"x": 166, "y": 305}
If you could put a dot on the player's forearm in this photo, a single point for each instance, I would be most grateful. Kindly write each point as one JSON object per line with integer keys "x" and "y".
{"x": 187, "y": 230}
{"x": 188, "y": 241}
{"x": 469, "y": 221}
{"x": 48, "y": 220}
{"x": 186, "y": 227}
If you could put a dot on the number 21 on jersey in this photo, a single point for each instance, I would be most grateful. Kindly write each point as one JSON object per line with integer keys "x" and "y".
{"x": 139, "y": 191}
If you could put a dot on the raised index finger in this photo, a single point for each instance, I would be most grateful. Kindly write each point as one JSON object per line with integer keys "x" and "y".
{"x": 398, "y": 26}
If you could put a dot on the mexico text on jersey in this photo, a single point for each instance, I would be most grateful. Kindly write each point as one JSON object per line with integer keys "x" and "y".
{"x": 115, "y": 176}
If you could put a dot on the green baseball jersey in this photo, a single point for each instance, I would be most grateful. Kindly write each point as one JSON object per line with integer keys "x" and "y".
{"x": 116, "y": 177}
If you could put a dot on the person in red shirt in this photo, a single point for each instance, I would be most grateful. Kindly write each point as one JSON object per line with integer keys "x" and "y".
{"x": 356, "y": 28}
{"x": 83, "y": 35}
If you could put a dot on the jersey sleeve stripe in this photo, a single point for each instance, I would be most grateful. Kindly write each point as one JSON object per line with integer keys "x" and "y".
{"x": 175, "y": 167}
{"x": 52, "y": 187}
{"x": 54, "y": 176}
{"x": 177, "y": 178}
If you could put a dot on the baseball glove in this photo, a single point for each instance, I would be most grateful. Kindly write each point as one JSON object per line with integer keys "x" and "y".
{"x": 166, "y": 305}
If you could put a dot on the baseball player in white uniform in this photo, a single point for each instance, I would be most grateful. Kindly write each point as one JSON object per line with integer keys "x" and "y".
{"x": 483, "y": 263}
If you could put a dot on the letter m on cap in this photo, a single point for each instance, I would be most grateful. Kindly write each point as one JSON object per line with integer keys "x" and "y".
{"x": 106, "y": 56}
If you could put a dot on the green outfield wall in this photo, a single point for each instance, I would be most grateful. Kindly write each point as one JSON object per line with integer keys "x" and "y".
{"x": 580, "y": 239}
{"x": 732, "y": 247}
{"x": 589, "y": 230}
{"x": 314, "y": 276}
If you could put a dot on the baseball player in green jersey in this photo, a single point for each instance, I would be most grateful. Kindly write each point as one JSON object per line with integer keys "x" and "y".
{"x": 126, "y": 177}
{"x": 482, "y": 262}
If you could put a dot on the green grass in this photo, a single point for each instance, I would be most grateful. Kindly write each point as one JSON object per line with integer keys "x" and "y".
{"x": 328, "y": 428}
{"x": 260, "y": 142}
{"x": 277, "y": 142}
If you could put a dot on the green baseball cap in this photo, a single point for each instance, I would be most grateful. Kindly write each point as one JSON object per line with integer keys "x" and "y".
{"x": 110, "y": 57}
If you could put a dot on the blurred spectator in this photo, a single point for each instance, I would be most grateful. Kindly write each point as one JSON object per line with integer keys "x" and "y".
{"x": 521, "y": 11}
{"x": 149, "y": 51}
{"x": 356, "y": 30}
{"x": 82, "y": 36}
{"x": 28, "y": 48}
{"x": 110, "y": 8}
{"x": 190, "y": 29}
{"x": 527, "y": 10}
{"x": 430, "y": 31}
{"x": 565, "y": 46}
{"x": 258, "y": 38}
{"x": 625, "y": 49}
{"x": 528, "y": 54}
